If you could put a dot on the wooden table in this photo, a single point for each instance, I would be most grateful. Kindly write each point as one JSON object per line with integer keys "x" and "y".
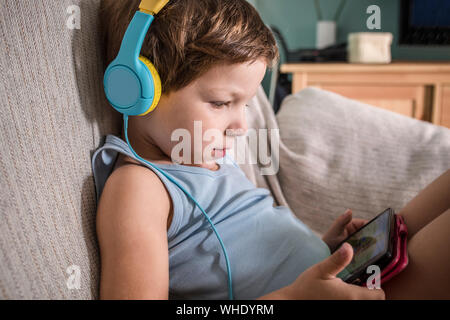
{"x": 417, "y": 89}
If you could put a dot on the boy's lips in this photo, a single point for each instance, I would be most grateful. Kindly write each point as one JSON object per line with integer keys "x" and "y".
{"x": 228, "y": 146}
{"x": 219, "y": 152}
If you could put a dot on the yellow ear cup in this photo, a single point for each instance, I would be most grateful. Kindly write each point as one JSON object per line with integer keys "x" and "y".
{"x": 156, "y": 81}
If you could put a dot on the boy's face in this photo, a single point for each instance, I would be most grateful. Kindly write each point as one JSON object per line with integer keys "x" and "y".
{"x": 216, "y": 101}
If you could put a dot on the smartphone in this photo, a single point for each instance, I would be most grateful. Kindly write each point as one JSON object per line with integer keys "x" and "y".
{"x": 373, "y": 244}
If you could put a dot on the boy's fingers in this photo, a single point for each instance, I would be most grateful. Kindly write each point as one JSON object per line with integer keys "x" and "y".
{"x": 347, "y": 212}
{"x": 356, "y": 225}
{"x": 344, "y": 219}
{"x": 335, "y": 263}
{"x": 360, "y": 222}
{"x": 347, "y": 216}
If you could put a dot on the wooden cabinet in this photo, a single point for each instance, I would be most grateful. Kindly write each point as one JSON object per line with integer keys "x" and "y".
{"x": 442, "y": 108}
{"x": 416, "y": 89}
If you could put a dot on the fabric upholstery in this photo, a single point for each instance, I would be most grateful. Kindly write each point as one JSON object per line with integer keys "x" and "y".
{"x": 53, "y": 117}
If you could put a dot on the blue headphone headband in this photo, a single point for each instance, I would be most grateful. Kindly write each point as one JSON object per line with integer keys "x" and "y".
{"x": 133, "y": 87}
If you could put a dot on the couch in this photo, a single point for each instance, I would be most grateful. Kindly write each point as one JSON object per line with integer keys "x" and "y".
{"x": 335, "y": 153}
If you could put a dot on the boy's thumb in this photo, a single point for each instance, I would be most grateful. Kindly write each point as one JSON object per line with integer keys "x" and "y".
{"x": 335, "y": 263}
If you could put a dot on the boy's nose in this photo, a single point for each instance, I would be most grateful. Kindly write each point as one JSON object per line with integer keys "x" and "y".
{"x": 238, "y": 125}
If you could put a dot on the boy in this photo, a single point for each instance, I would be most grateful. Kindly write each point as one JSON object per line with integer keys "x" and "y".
{"x": 154, "y": 243}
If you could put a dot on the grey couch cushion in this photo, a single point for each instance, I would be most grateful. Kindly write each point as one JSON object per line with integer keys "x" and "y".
{"x": 346, "y": 154}
{"x": 53, "y": 116}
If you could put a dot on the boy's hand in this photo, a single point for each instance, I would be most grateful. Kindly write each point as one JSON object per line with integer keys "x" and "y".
{"x": 320, "y": 281}
{"x": 342, "y": 227}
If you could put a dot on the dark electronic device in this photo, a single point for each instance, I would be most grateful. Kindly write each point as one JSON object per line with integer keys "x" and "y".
{"x": 380, "y": 242}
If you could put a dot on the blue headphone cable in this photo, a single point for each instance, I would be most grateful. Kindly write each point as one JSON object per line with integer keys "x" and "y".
{"x": 230, "y": 287}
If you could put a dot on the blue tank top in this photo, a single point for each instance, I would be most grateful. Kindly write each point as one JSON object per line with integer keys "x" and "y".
{"x": 268, "y": 247}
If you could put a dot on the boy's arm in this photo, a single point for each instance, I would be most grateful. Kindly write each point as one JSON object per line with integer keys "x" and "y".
{"x": 132, "y": 233}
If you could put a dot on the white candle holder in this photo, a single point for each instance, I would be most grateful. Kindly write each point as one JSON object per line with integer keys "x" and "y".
{"x": 325, "y": 33}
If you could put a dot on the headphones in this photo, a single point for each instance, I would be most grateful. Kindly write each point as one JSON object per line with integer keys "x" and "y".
{"x": 132, "y": 84}
{"x": 133, "y": 87}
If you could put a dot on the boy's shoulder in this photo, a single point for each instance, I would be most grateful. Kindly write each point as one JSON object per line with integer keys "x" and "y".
{"x": 133, "y": 185}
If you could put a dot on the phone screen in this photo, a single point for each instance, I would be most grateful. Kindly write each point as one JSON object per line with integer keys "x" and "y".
{"x": 368, "y": 243}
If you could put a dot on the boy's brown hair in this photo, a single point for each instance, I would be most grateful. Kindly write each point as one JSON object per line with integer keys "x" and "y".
{"x": 188, "y": 37}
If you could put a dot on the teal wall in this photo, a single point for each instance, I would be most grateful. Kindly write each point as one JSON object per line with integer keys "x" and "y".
{"x": 297, "y": 21}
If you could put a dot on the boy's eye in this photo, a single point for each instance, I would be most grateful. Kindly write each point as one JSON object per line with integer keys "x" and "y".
{"x": 219, "y": 104}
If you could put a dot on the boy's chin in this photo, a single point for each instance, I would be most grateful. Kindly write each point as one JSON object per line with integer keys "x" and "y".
{"x": 210, "y": 164}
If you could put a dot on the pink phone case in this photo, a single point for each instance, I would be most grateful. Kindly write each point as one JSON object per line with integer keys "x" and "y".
{"x": 400, "y": 253}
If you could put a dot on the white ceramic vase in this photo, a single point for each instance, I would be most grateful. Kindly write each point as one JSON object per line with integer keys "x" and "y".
{"x": 325, "y": 34}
